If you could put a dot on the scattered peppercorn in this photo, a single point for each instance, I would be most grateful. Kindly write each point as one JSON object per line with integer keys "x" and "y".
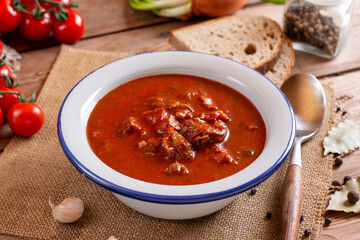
{"x": 328, "y": 221}
{"x": 336, "y": 183}
{"x": 338, "y": 162}
{"x": 301, "y": 218}
{"x": 338, "y": 109}
{"x": 347, "y": 178}
{"x": 344, "y": 112}
{"x": 353, "y": 197}
{"x": 268, "y": 215}
{"x": 253, "y": 191}
{"x": 307, "y": 233}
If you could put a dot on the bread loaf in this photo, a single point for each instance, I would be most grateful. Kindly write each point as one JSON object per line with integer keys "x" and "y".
{"x": 253, "y": 40}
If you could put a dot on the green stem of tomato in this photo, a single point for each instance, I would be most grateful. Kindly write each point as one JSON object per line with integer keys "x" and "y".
{"x": 10, "y": 81}
{"x": 20, "y": 96}
{"x": 2, "y": 60}
{"x": 20, "y": 7}
{"x": 60, "y": 4}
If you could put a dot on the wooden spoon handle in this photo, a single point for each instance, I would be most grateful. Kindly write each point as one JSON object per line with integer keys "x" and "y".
{"x": 290, "y": 203}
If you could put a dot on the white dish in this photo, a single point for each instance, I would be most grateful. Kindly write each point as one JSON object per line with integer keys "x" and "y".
{"x": 166, "y": 201}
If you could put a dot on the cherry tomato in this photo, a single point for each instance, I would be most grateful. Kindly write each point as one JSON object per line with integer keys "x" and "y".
{"x": 71, "y": 30}
{"x": 1, "y": 118}
{"x": 33, "y": 28}
{"x": 25, "y": 119}
{"x": 4, "y": 70}
{"x": 8, "y": 100}
{"x": 49, "y": 5}
{"x": 9, "y": 17}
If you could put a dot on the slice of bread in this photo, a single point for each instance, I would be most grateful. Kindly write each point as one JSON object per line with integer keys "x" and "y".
{"x": 254, "y": 40}
{"x": 283, "y": 66}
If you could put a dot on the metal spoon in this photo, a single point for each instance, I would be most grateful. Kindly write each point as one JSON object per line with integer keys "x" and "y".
{"x": 307, "y": 99}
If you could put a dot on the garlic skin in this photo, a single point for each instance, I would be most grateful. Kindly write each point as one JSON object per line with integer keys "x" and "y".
{"x": 69, "y": 210}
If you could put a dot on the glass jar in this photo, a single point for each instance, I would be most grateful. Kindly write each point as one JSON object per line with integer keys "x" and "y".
{"x": 319, "y": 27}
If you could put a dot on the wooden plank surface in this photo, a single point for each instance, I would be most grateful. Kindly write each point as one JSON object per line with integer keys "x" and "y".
{"x": 343, "y": 224}
{"x": 115, "y": 27}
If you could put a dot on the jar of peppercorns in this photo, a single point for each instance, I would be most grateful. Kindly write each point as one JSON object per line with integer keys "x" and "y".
{"x": 319, "y": 27}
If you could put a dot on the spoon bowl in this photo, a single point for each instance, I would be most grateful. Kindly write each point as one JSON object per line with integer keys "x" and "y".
{"x": 307, "y": 98}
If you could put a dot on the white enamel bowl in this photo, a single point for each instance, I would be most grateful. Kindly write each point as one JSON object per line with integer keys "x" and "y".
{"x": 165, "y": 201}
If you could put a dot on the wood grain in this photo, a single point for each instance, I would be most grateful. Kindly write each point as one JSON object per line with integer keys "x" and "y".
{"x": 290, "y": 203}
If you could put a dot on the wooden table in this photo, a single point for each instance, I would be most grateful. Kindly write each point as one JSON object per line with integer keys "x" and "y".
{"x": 112, "y": 26}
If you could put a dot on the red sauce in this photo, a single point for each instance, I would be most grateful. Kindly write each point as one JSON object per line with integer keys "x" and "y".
{"x": 176, "y": 130}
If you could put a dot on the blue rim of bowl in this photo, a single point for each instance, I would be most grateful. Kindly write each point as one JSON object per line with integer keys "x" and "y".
{"x": 171, "y": 199}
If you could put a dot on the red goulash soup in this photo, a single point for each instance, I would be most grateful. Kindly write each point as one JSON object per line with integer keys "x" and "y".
{"x": 176, "y": 130}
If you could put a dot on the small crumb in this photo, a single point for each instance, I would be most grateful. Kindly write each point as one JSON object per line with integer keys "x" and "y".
{"x": 307, "y": 233}
{"x": 353, "y": 197}
{"x": 328, "y": 221}
{"x": 336, "y": 183}
{"x": 338, "y": 161}
{"x": 301, "y": 218}
{"x": 268, "y": 215}
{"x": 347, "y": 178}
{"x": 253, "y": 191}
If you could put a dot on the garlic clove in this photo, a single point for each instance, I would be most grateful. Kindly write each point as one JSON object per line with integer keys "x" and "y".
{"x": 69, "y": 210}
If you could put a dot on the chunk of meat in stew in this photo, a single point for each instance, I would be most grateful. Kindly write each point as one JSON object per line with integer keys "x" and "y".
{"x": 156, "y": 102}
{"x": 176, "y": 146}
{"x": 217, "y": 115}
{"x": 220, "y": 154}
{"x": 207, "y": 102}
{"x": 183, "y": 114}
{"x": 129, "y": 125}
{"x": 176, "y": 168}
{"x": 179, "y": 105}
{"x": 164, "y": 125}
{"x": 155, "y": 116}
{"x": 149, "y": 146}
{"x": 201, "y": 134}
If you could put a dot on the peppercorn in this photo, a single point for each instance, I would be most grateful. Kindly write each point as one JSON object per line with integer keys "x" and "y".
{"x": 328, "y": 221}
{"x": 338, "y": 162}
{"x": 347, "y": 178}
{"x": 268, "y": 215}
{"x": 353, "y": 197}
{"x": 301, "y": 218}
{"x": 336, "y": 154}
{"x": 336, "y": 183}
{"x": 253, "y": 191}
{"x": 343, "y": 113}
{"x": 307, "y": 233}
{"x": 338, "y": 109}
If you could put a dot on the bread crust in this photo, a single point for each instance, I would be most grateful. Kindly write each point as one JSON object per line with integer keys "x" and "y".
{"x": 278, "y": 74}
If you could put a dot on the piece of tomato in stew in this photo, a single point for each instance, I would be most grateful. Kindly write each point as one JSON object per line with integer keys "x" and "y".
{"x": 176, "y": 130}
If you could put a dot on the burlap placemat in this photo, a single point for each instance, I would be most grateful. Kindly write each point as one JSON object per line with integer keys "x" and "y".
{"x": 34, "y": 170}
